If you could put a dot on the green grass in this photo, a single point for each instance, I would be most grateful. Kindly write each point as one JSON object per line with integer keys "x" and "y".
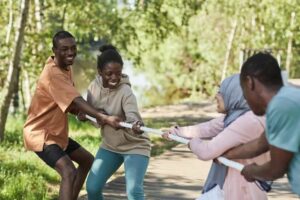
{"x": 22, "y": 180}
{"x": 24, "y": 176}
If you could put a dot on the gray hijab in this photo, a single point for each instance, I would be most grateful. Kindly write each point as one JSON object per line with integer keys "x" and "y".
{"x": 235, "y": 106}
{"x": 234, "y": 101}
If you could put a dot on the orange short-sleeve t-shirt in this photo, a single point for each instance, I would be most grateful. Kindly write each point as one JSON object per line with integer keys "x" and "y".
{"x": 47, "y": 121}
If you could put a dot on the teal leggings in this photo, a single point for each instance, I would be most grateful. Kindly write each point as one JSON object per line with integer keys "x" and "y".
{"x": 106, "y": 163}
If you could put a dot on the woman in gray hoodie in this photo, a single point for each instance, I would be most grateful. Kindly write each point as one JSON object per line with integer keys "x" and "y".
{"x": 111, "y": 92}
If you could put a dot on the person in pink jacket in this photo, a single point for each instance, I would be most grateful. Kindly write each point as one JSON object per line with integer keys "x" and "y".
{"x": 237, "y": 126}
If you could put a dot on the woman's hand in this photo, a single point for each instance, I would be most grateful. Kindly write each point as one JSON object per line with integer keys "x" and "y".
{"x": 136, "y": 127}
{"x": 166, "y": 136}
{"x": 173, "y": 130}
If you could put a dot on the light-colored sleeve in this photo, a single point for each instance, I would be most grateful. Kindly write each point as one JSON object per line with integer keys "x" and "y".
{"x": 203, "y": 130}
{"x": 244, "y": 129}
{"x": 130, "y": 107}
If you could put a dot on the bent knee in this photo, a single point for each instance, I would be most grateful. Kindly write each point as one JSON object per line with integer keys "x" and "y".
{"x": 69, "y": 173}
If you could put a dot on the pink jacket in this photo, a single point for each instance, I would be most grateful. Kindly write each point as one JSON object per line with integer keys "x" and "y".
{"x": 244, "y": 129}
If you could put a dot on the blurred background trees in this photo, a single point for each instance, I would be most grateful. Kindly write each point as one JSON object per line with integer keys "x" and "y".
{"x": 183, "y": 48}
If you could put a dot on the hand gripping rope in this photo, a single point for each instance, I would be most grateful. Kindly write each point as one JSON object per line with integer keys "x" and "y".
{"x": 229, "y": 163}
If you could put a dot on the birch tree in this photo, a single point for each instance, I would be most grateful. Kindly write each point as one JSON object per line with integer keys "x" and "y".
{"x": 13, "y": 67}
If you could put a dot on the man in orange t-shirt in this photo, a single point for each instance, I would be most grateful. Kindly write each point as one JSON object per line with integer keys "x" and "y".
{"x": 46, "y": 127}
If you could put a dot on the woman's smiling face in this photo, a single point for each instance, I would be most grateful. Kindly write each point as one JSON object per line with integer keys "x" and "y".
{"x": 111, "y": 74}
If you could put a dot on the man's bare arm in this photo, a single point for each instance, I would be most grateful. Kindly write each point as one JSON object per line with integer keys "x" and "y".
{"x": 274, "y": 169}
{"x": 84, "y": 107}
{"x": 249, "y": 150}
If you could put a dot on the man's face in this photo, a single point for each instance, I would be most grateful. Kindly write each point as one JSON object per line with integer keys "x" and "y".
{"x": 252, "y": 95}
{"x": 111, "y": 74}
{"x": 65, "y": 51}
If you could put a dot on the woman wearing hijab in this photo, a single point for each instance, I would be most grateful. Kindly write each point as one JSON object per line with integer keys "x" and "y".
{"x": 238, "y": 125}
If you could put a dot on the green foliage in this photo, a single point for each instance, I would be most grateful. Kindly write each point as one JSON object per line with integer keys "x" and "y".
{"x": 178, "y": 45}
{"x": 76, "y": 125}
{"x": 183, "y": 54}
{"x": 14, "y": 134}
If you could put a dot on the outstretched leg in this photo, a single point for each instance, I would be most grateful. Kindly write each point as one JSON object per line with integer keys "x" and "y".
{"x": 135, "y": 170}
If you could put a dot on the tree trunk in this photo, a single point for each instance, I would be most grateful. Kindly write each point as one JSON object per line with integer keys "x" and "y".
{"x": 229, "y": 47}
{"x": 25, "y": 92}
{"x": 38, "y": 15}
{"x": 10, "y": 22}
{"x": 289, "y": 47}
{"x": 241, "y": 59}
{"x": 13, "y": 67}
{"x": 15, "y": 96}
{"x": 39, "y": 21}
{"x": 64, "y": 16}
{"x": 22, "y": 95}
{"x": 26, "y": 88}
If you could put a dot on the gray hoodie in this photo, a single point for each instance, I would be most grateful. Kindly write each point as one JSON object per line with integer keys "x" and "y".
{"x": 121, "y": 102}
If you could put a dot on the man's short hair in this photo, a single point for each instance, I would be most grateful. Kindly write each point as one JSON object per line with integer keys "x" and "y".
{"x": 60, "y": 35}
{"x": 265, "y": 68}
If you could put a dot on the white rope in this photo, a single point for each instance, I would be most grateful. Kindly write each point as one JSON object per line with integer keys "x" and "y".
{"x": 223, "y": 160}
{"x": 156, "y": 131}
{"x": 230, "y": 163}
{"x": 147, "y": 130}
